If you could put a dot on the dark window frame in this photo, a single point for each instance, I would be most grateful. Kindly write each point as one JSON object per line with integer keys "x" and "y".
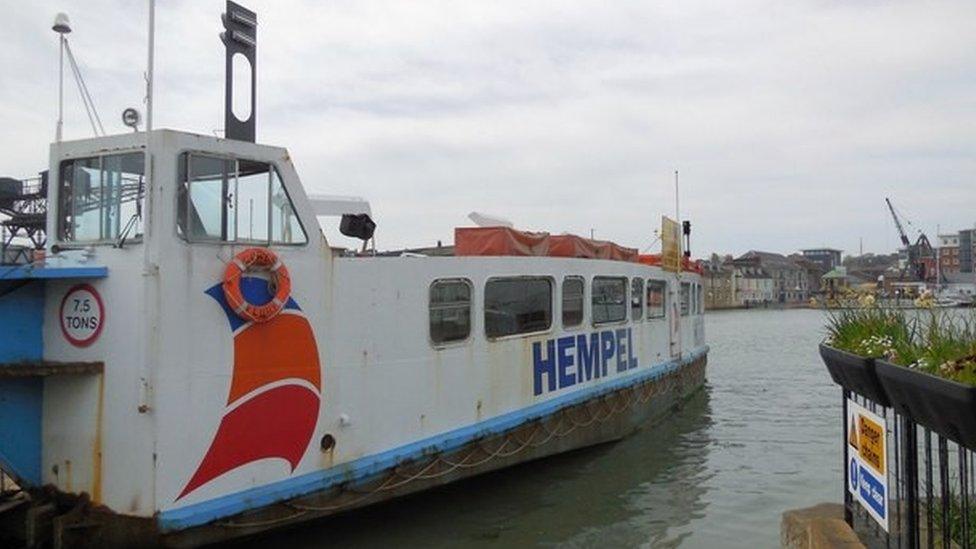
{"x": 452, "y": 305}
{"x": 663, "y": 286}
{"x": 582, "y": 298}
{"x": 485, "y": 310}
{"x": 684, "y": 299}
{"x": 183, "y": 195}
{"x": 636, "y": 298}
{"x": 63, "y": 206}
{"x": 625, "y": 305}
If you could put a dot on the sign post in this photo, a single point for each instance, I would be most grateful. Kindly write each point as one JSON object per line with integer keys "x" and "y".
{"x": 867, "y": 461}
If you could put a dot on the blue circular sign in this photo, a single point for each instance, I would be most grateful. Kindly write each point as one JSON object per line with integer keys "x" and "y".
{"x": 853, "y": 474}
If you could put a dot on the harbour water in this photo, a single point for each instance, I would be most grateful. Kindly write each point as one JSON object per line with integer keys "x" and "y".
{"x": 760, "y": 439}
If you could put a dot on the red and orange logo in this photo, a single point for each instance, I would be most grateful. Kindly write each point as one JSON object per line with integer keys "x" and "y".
{"x": 275, "y": 391}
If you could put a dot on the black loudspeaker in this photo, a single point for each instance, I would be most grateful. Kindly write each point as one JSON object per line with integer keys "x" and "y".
{"x": 359, "y": 226}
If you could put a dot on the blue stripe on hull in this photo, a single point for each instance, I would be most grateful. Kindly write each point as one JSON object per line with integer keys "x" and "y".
{"x": 366, "y": 467}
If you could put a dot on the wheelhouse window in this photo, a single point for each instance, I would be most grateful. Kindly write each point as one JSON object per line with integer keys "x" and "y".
{"x": 101, "y": 198}
{"x": 234, "y": 200}
{"x": 450, "y": 310}
{"x": 656, "y": 290}
{"x": 609, "y": 299}
{"x": 637, "y": 299}
{"x": 685, "y": 298}
{"x": 572, "y": 302}
{"x": 517, "y": 306}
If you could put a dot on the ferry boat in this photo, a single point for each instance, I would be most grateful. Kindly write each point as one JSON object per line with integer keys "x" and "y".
{"x": 190, "y": 361}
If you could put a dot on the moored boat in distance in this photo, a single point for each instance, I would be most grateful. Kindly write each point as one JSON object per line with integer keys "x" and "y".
{"x": 193, "y": 361}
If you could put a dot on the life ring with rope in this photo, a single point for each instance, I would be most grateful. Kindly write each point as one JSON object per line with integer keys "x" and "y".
{"x": 250, "y": 260}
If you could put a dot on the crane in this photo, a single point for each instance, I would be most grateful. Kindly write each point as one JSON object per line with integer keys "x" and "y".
{"x": 921, "y": 247}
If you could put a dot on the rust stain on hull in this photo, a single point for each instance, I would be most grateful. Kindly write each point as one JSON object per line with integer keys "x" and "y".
{"x": 97, "y": 444}
{"x": 601, "y": 419}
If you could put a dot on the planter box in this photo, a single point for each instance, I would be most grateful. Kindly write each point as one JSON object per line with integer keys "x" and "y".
{"x": 946, "y": 407}
{"x": 855, "y": 373}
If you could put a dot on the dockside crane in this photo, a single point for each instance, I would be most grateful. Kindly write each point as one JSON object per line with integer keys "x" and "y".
{"x": 921, "y": 248}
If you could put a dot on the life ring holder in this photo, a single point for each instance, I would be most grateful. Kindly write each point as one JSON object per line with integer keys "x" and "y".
{"x": 250, "y": 260}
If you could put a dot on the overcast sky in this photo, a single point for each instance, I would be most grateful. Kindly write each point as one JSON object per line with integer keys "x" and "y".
{"x": 789, "y": 121}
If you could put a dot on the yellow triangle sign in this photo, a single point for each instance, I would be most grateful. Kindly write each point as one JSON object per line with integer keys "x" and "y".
{"x": 852, "y": 439}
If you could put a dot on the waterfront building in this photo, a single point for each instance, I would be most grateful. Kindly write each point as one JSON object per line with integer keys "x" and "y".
{"x": 789, "y": 280}
{"x": 836, "y": 281}
{"x": 754, "y": 286}
{"x": 812, "y": 272}
{"x": 949, "y": 256}
{"x": 868, "y": 268}
{"x": 828, "y": 258}
{"x": 967, "y": 243}
{"x": 719, "y": 282}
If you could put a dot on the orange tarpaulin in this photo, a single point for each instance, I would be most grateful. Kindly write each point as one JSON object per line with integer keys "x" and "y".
{"x": 686, "y": 264}
{"x": 570, "y": 245}
{"x": 507, "y": 241}
{"x": 499, "y": 241}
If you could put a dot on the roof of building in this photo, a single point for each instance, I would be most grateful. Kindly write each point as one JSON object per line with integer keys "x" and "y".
{"x": 821, "y": 250}
{"x": 836, "y": 273}
{"x": 770, "y": 260}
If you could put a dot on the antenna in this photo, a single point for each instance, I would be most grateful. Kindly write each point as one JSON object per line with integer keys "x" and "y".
{"x": 677, "y": 210}
{"x": 62, "y": 26}
{"x": 150, "y": 54}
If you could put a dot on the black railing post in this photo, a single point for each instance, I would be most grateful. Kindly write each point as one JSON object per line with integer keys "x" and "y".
{"x": 928, "y": 489}
{"x": 897, "y": 447}
{"x": 964, "y": 497}
{"x": 945, "y": 492}
{"x": 848, "y": 501}
{"x": 911, "y": 479}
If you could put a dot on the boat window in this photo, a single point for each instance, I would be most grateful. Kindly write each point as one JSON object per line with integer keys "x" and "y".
{"x": 609, "y": 301}
{"x": 252, "y": 201}
{"x": 231, "y": 200}
{"x": 285, "y": 226}
{"x": 656, "y": 290}
{"x": 517, "y": 306}
{"x": 101, "y": 197}
{"x": 685, "y": 298}
{"x": 572, "y": 301}
{"x": 450, "y": 310}
{"x": 637, "y": 299}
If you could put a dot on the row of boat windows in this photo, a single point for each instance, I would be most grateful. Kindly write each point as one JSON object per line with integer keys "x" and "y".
{"x": 220, "y": 199}
{"x": 524, "y": 305}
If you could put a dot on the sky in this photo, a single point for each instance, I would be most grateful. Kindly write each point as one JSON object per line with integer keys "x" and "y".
{"x": 789, "y": 122}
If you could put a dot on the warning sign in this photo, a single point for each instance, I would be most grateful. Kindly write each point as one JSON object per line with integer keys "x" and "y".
{"x": 82, "y": 315}
{"x": 872, "y": 438}
{"x": 867, "y": 446}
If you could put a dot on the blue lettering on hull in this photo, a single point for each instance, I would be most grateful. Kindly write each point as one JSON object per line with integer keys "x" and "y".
{"x": 570, "y": 360}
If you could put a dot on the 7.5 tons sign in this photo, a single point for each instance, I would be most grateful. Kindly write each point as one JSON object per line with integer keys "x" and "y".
{"x": 82, "y": 315}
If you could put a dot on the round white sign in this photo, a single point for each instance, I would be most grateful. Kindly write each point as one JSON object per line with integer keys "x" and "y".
{"x": 82, "y": 315}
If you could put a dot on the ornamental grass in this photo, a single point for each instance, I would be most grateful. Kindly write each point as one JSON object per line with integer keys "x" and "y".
{"x": 940, "y": 342}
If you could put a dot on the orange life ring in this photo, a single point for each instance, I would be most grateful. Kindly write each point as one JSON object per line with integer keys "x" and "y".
{"x": 256, "y": 259}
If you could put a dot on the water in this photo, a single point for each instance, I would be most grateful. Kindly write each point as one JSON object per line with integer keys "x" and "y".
{"x": 763, "y": 437}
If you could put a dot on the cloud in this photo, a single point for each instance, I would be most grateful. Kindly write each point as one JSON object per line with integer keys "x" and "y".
{"x": 789, "y": 122}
